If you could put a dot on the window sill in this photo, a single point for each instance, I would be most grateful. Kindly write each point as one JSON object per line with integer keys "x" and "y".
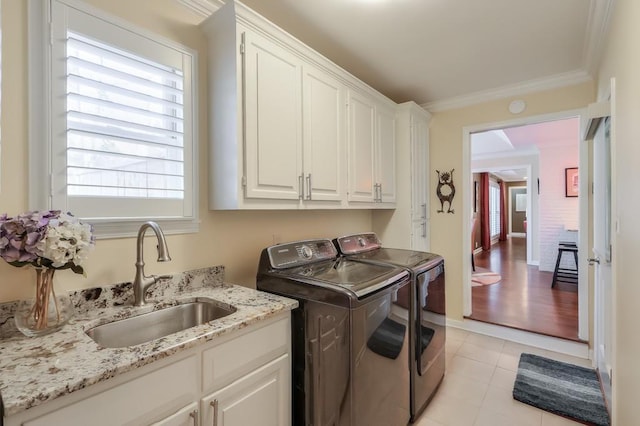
{"x": 109, "y": 228}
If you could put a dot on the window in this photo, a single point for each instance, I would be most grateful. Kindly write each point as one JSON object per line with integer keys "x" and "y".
{"x": 122, "y": 142}
{"x": 494, "y": 209}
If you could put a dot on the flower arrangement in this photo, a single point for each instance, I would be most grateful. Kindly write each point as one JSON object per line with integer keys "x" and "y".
{"x": 48, "y": 240}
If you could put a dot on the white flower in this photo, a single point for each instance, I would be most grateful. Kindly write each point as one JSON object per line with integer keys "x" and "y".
{"x": 66, "y": 241}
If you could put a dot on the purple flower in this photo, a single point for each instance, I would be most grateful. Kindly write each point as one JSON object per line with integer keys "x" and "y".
{"x": 50, "y": 238}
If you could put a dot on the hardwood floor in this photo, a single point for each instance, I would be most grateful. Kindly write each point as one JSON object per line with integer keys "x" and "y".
{"x": 524, "y": 299}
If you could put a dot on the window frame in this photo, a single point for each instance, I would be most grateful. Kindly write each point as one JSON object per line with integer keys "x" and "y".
{"x": 42, "y": 122}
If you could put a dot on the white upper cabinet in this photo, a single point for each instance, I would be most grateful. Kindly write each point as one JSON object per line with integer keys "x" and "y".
{"x": 279, "y": 125}
{"x": 372, "y": 158}
{"x": 362, "y": 184}
{"x": 386, "y": 154}
{"x": 323, "y": 136}
{"x": 273, "y": 119}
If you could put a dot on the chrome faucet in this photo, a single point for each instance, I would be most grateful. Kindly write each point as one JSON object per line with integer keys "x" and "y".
{"x": 141, "y": 282}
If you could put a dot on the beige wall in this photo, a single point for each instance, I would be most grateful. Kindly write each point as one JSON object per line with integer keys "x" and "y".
{"x": 233, "y": 239}
{"x": 446, "y": 154}
{"x": 621, "y": 60}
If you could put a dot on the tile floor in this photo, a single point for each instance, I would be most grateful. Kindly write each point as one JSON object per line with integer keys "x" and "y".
{"x": 477, "y": 387}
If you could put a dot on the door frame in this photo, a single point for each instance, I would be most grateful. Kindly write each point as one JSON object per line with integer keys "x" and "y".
{"x": 467, "y": 209}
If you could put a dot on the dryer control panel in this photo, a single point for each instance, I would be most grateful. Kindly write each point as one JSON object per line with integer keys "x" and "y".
{"x": 358, "y": 243}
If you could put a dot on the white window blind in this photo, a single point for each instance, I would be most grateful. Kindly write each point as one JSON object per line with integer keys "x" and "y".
{"x": 125, "y": 130}
{"x": 120, "y": 102}
{"x": 494, "y": 208}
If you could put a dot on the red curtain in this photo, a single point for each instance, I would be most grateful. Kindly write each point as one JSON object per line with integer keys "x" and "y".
{"x": 503, "y": 213}
{"x": 485, "y": 225}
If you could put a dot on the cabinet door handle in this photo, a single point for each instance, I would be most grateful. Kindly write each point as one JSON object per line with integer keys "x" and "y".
{"x": 194, "y": 416}
{"x": 424, "y": 211}
{"x": 300, "y": 187}
{"x": 424, "y": 229}
{"x": 379, "y": 192}
{"x": 309, "y": 186}
{"x": 214, "y": 404}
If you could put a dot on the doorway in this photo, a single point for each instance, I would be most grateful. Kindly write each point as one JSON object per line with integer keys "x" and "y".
{"x": 525, "y": 257}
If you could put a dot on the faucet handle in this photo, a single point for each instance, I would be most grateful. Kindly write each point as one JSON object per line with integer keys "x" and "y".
{"x": 162, "y": 277}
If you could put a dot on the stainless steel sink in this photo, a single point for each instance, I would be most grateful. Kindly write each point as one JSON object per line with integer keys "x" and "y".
{"x": 154, "y": 325}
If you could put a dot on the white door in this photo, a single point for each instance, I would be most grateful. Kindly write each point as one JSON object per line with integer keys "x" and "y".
{"x": 323, "y": 139}
{"x": 273, "y": 119}
{"x": 361, "y": 147}
{"x": 602, "y": 255}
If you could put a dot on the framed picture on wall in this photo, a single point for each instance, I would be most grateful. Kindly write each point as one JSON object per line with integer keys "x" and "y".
{"x": 571, "y": 182}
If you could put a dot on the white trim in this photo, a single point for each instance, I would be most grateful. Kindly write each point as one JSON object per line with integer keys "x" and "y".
{"x": 537, "y": 85}
{"x": 203, "y": 8}
{"x": 39, "y": 98}
{"x": 569, "y": 347}
{"x": 583, "y": 289}
{"x": 597, "y": 30}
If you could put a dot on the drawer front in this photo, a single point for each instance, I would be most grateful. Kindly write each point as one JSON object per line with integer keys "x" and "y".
{"x": 226, "y": 362}
{"x": 142, "y": 400}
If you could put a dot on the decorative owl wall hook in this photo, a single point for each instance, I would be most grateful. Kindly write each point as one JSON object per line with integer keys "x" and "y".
{"x": 445, "y": 190}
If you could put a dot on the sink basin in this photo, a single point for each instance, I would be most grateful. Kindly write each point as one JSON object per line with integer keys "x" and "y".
{"x": 154, "y": 325}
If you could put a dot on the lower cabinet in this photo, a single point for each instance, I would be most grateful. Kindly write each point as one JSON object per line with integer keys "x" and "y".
{"x": 188, "y": 416}
{"x": 260, "y": 398}
{"x": 241, "y": 379}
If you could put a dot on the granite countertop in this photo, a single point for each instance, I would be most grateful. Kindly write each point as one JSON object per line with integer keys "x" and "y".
{"x": 39, "y": 369}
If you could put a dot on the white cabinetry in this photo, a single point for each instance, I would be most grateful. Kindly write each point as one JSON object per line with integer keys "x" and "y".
{"x": 273, "y": 117}
{"x": 188, "y": 416}
{"x": 323, "y": 149}
{"x": 259, "y": 398}
{"x": 372, "y": 167}
{"x": 386, "y": 153}
{"x": 408, "y": 225}
{"x": 278, "y": 123}
{"x": 247, "y": 374}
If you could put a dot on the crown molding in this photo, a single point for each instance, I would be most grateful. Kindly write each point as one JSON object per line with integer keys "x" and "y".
{"x": 597, "y": 30}
{"x": 537, "y": 85}
{"x": 203, "y": 8}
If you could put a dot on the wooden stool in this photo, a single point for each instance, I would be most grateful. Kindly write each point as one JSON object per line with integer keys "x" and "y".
{"x": 566, "y": 275}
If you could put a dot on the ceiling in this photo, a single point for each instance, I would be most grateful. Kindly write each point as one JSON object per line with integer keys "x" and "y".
{"x": 441, "y": 53}
{"x": 522, "y": 140}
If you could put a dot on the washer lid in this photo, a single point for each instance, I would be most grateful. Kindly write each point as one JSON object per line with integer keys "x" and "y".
{"x": 346, "y": 275}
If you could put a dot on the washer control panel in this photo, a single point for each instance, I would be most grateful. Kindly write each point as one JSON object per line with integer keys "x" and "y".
{"x": 301, "y": 253}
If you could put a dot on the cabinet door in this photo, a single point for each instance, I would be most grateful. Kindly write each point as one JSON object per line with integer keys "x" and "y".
{"x": 361, "y": 148}
{"x": 386, "y": 154}
{"x": 419, "y": 183}
{"x": 323, "y": 138}
{"x": 273, "y": 119}
{"x": 262, "y": 397}
{"x": 188, "y": 416}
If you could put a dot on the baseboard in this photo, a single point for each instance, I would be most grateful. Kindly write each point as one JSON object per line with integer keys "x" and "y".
{"x": 517, "y": 235}
{"x": 577, "y": 349}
